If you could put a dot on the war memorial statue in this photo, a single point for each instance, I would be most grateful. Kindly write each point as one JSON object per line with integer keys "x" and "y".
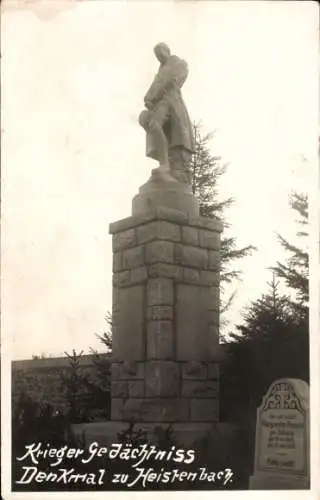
{"x": 165, "y": 286}
{"x": 166, "y": 119}
{"x": 166, "y": 279}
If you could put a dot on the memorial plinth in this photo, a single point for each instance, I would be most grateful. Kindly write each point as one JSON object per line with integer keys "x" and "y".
{"x": 165, "y": 309}
{"x": 166, "y": 194}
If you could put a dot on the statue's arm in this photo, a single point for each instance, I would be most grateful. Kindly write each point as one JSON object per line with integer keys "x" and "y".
{"x": 172, "y": 74}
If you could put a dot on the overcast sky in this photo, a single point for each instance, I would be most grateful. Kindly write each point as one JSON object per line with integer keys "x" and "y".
{"x": 74, "y": 77}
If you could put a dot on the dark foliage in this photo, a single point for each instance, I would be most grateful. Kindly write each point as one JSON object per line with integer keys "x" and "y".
{"x": 273, "y": 340}
{"x": 87, "y": 399}
{"x": 270, "y": 344}
{"x": 206, "y": 172}
{"x": 106, "y": 337}
{"x": 295, "y": 272}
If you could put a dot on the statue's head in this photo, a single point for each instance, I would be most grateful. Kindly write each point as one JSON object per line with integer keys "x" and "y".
{"x": 162, "y": 52}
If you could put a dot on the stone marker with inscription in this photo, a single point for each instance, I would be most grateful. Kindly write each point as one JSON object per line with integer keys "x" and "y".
{"x": 282, "y": 437}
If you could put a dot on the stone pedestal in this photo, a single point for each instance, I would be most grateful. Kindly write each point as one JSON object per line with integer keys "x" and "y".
{"x": 169, "y": 194}
{"x": 165, "y": 309}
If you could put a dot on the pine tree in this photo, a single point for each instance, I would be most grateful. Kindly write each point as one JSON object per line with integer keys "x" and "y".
{"x": 295, "y": 272}
{"x": 269, "y": 344}
{"x": 273, "y": 340}
{"x": 206, "y": 171}
{"x": 265, "y": 315}
{"x": 106, "y": 337}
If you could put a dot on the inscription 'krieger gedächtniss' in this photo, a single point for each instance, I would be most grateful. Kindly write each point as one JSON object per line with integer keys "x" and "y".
{"x": 144, "y": 452}
{"x": 37, "y": 452}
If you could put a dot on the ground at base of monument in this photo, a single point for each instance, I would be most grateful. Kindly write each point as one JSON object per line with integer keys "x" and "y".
{"x": 185, "y": 434}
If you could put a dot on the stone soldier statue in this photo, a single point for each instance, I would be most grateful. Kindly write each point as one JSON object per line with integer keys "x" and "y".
{"x": 166, "y": 119}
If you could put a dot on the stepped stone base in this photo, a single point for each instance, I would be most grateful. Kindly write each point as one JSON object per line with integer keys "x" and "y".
{"x": 165, "y": 391}
{"x": 163, "y": 193}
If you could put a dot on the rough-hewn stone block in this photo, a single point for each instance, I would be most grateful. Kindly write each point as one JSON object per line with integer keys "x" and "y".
{"x": 199, "y": 389}
{"x": 160, "y": 312}
{"x": 161, "y": 270}
{"x": 128, "y": 324}
{"x": 194, "y": 370}
{"x": 209, "y": 239}
{"x": 117, "y": 261}
{"x": 159, "y": 251}
{"x": 160, "y": 339}
{"x": 192, "y": 321}
{"x": 214, "y": 260}
{"x": 136, "y": 389}
{"x": 158, "y": 230}
{"x": 129, "y": 222}
{"x": 119, "y": 389}
{"x": 133, "y": 257}
{"x": 125, "y": 239}
{"x": 162, "y": 379}
{"x": 121, "y": 279}
{"x": 150, "y": 410}
{"x": 191, "y": 256}
{"x": 153, "y": 195}
{"x": 165, "y": 410}
{"x": 117, "y": 405}
{"x": 214, "y": 298}
{"x": 214, "y": 329}
{"x": 210, "y": 224}
{"x": 204, "y": 410}
{"x": 213, "y": 371}
{"x": 138, "y": 275}
{"x": 173, "y": 215}
{"x": 169, "y": 231}
{"x": 147, "y": 232}
{"x": 160, "y": 292}
{"x": 115, "y": 299}
{"x": 209, "y": 278}
{"x": 128, "y": 371}
{"x": 214, "y": 349}
{"x": 191, "y": 275}
{"x": 190, "y": 235}
{"x": 214, "y": 318}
